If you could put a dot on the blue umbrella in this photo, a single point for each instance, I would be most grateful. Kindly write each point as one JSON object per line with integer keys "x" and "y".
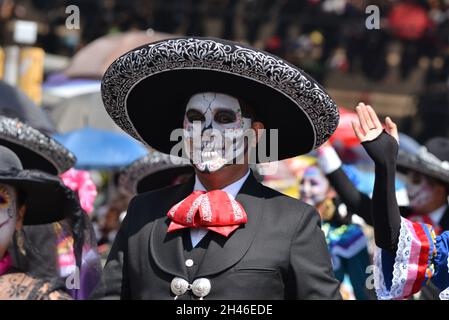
{"x": 100, "y": 149}
{"x": 363, "y": 180}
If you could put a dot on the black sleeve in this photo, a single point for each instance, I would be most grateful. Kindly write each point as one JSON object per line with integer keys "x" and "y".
{"x": 385, "y": 211}
{"x": 114, "y": 282}
{"x": 356, "y": 201}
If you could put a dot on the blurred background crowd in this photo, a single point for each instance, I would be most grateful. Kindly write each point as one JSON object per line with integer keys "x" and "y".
{"x": 404, "y": 62}
{"x": 51, "y": 74}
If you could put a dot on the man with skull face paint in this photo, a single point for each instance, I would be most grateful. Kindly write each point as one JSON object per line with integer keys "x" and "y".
{"x": 221, "y": 235}
{"x": 221, "y": 120}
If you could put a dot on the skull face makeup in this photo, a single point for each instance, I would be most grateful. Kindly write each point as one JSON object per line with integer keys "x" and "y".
{"x": 214, "y": 129}
{"x": 314, "y": 186}
{"x": 419, "y": 190}
{"x": 8, "y": 216}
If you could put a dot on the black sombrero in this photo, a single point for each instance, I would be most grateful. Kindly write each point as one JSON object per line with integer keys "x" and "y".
{"x": 35, "y": 149}
{"x": 154, "y": 171}
{"x": 146, "y": 91}
{"x": 46, "y": 198}
{"x": 431, "y": 160}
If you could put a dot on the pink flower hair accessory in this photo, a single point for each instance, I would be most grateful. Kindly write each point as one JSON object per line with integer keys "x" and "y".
{"x": 80, "y": 181}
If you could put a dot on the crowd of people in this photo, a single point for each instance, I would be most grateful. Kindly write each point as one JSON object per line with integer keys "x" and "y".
{"x": 322, "y": 37}
{"x": 213, "y": 227}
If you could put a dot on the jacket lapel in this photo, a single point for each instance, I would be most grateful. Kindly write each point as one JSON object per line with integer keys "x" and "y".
{"x": 167, "y": 248}
{"x": 223, "y": 252}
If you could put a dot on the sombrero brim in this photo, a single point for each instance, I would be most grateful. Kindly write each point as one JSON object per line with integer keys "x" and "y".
{"x": 146, "y": 91}
{"x": 162, "y": 178}
{"x": 151, "y": 172}
{"x": 47, "y": 199}
{"x": 36, "y": 150}
{"x": 406, "y": 162}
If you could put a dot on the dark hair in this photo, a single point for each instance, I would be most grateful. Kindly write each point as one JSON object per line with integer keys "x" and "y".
{"x": 247, "y": 110}
{"x": 21, "y": 197}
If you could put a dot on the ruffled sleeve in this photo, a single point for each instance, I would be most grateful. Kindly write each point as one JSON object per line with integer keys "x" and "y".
{"x": 420, "y": 257}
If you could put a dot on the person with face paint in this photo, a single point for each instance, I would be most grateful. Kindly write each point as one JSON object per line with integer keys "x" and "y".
{"x": 427, "y": 174}
{"x": 427, "y": 185}
{"x": 410, "y": 255}
{"x": 23, "y": 201}
{"x": 54, "y": 251}
{"x": 346, "y": 242}
{"x": 222, "y": 234}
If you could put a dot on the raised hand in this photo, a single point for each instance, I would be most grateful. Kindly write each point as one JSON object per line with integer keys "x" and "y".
{"x": 369, "y": 126}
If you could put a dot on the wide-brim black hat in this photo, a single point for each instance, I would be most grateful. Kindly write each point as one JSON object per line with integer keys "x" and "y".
{"x": 146, "y": 91}
{"x": 46, "y": 198}
{"x": 431, "y": 160}
{"x": 154, "y": 171}
{"x": 35, "y": 149}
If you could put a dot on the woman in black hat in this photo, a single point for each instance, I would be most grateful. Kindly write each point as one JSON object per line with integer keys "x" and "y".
{"x": 410, "y": 254}
{"x": 221, "y": 235}
{"x": 24, "y": 198}
{"x": 54, "y": 250}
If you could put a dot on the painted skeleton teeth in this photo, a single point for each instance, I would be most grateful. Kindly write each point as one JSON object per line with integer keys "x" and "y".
{"x": 209, "y": 154}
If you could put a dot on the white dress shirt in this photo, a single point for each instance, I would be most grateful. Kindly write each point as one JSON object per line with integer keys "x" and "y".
{"x": 196, "y": 234}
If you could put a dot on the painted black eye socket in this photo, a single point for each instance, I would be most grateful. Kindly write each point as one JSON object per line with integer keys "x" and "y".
{"x": 195, "y": 115}
{"x": 225, "y": 116}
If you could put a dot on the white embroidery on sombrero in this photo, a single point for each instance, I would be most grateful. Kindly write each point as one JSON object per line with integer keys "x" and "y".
{"x": 426, "y": 156}
{"x": 208, "y": 54}
{"x": 153, "y": 162}
{"x": 16, "y": 132}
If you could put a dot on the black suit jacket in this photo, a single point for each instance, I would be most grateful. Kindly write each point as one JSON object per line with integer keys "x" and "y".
{"x": 280, "y": 253}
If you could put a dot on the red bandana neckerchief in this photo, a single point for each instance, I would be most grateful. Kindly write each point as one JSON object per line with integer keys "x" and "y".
{"x": 215, "y": 210}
